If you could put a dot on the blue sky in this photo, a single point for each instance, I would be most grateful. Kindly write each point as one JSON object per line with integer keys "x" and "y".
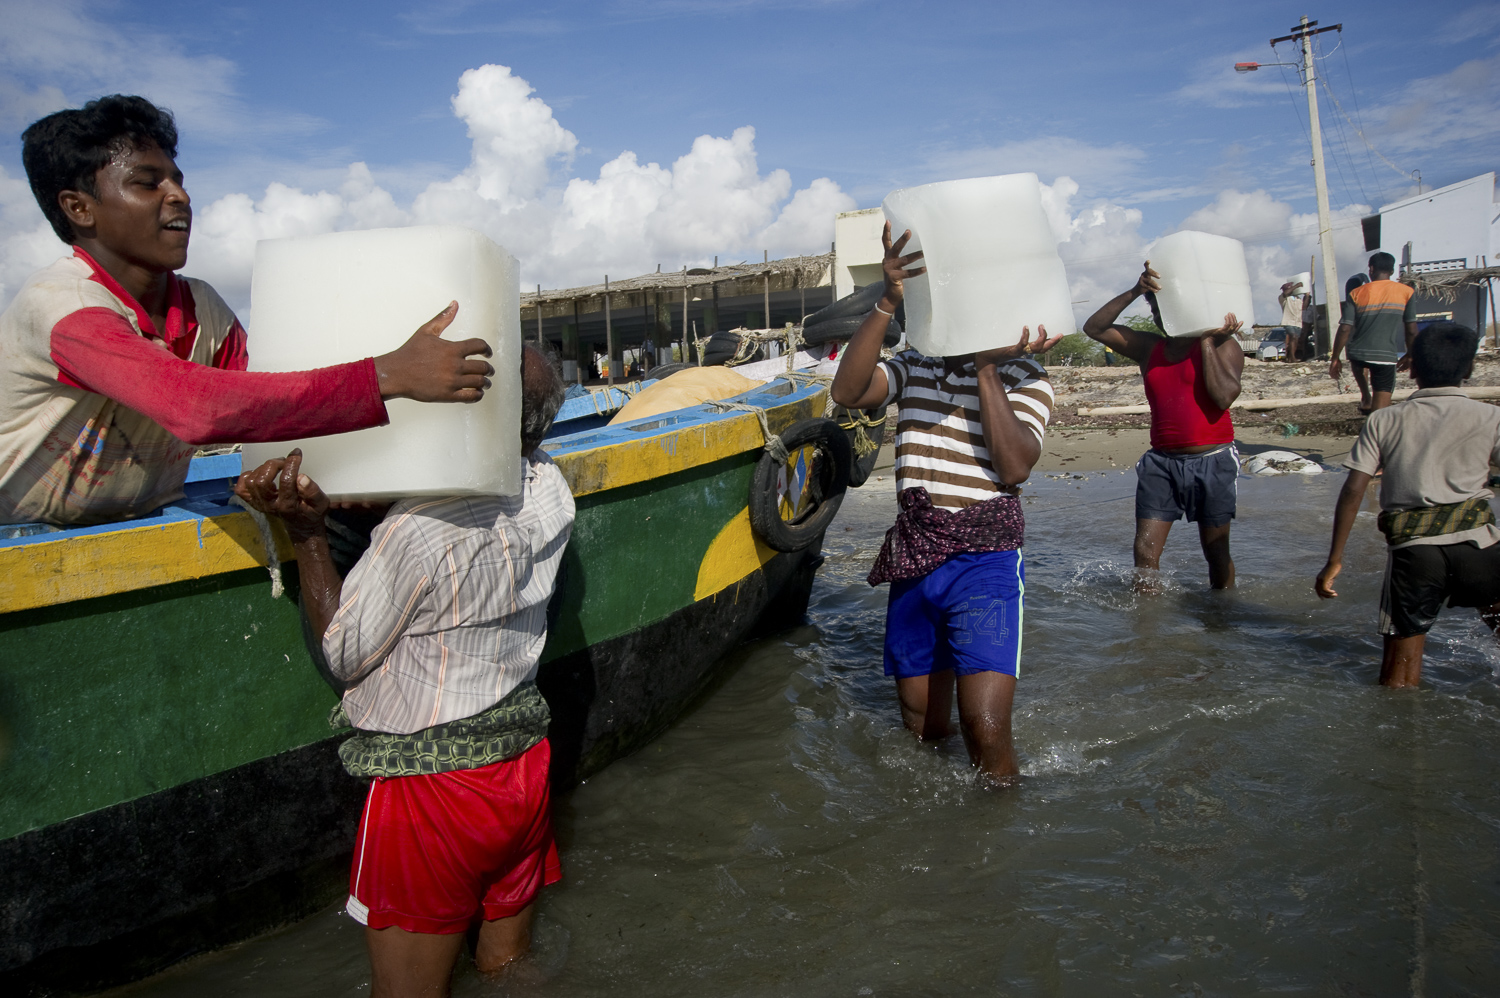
{"x": 1136, "y": 106}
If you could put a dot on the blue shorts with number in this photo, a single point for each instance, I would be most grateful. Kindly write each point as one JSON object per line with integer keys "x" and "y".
{"x": 964, "y": 615}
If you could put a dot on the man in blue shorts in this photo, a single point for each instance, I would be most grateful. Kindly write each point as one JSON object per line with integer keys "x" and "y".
{"x": 969, "y": 430}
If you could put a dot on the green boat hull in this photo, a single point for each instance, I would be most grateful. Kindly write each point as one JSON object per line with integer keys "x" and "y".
{"x": 169, "y": 781}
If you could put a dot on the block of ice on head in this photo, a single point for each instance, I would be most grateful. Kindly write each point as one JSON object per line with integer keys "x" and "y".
{"x": 1305, "y": 279}
{"x": 329, "y": 299}
{"x": 1203, "y": 276}
{"x": 992, "y": 264}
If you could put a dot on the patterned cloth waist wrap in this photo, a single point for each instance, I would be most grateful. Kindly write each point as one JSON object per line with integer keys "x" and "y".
{"x": 1402, "y": 525}
{"x": 507, "y": 729}
{"x": 924, "y": 536}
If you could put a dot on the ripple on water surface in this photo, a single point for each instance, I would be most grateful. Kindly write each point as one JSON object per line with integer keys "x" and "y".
{"x": 1218, "y": 800}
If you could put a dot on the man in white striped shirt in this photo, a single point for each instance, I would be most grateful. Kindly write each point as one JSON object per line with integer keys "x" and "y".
{"x": 436, "y": 634}
{"x": 969, "y": 429}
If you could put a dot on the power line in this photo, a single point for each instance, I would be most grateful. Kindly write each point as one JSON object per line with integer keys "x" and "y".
{"x": 1412, "y": 175}
{"x": 1360, "y": 118}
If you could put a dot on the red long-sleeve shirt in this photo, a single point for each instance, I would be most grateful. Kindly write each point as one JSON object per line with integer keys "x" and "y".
{"x": 100, "y": 411}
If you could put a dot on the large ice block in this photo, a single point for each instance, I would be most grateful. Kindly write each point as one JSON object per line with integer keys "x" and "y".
{"x": 335, "y": 298}
{"x": 992, "y": 264}
{"x": 1203, "y": 276}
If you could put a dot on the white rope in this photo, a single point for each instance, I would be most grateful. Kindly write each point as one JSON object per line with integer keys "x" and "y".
{"x": 774, "y": 444}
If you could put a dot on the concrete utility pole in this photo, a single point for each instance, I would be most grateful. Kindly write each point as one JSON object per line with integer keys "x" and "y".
{"x": 1332, "y": 288}
{"x": 609, "y": 334}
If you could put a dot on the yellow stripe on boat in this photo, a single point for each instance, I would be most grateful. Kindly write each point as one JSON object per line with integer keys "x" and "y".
{"x": 137, "y": 556}
{"x": 734, "y": 554}
{"x": 45, "y": 573}
{"x": 621, "y": 463}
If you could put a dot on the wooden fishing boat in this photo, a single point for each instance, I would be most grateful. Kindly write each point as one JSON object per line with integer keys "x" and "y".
{"x": 168, "y": 778}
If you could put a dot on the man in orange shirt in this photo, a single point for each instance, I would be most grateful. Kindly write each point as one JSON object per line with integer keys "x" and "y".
{"x": 1378, "y": 325}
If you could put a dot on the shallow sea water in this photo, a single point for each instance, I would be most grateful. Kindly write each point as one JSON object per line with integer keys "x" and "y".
{"x": 1218, "y": 799}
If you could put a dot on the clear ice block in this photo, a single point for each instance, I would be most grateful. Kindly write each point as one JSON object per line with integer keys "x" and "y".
{"x": 335, "y": 298}
{"x": 992, "y": 264}
{"x": 1203, "y": 276}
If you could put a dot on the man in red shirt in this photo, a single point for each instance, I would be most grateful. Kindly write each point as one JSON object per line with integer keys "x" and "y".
{"x": 1191, "y": 467}
{"x": 113, "y": 369}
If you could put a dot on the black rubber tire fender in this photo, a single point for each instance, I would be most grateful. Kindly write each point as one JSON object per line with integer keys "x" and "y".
{"x": 666, "y": 370}
{"x": 860, "y": 467}
{"x": 721, "y": 348}
{"x": 829, "y": 480}
{"x": 857, "y": 304}
{"x": 843, "y": 329}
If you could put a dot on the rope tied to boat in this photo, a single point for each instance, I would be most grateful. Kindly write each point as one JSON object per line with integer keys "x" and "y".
{"x": 774, "y": 444}
{"x": 268, "y": 538}
{"x": 857, "y": 420}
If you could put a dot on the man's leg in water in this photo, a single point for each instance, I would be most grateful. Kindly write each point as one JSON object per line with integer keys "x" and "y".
{"x": 984, "y": 707}
{"x": 1215, "y": 541}
{"x": 411, "y": 964}
{"x": 1401, "y": 665}
{"x": 1150, "y": 539}
{"x": 502, "y": 940}
{"x": 927, "y": 704}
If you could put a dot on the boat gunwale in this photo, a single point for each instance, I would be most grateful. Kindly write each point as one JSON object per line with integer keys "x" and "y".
{"x": 64, "y": 566}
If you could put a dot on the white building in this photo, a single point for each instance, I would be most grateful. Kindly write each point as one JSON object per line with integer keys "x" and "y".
{"x": 1454, "y": 228}
{"x": 857, "y": 250}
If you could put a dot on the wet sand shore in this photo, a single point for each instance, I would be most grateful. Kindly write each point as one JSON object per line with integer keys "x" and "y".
{"x": 1086, "y": 441}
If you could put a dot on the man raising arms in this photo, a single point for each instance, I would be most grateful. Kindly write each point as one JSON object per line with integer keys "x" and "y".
{"x": 969, "y": 431}
{"x": 113, "y": 369}
{"x": 1192, "y": 465}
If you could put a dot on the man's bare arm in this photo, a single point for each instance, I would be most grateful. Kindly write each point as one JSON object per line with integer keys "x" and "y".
{"x": 859, "y": 382}
{"x": 1347, "y": 508}
{"x": 1223, "y": 362}
{"x": 278, "y": 488}
{"x": 1404, "y": 364}
{"x": 1340, "y": 340}
{"x": 1123, "y": 340}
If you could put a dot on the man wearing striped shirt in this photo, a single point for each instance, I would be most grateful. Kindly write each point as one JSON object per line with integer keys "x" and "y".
{"x": 969, "y": 430}
{"x": 435, "y": 636}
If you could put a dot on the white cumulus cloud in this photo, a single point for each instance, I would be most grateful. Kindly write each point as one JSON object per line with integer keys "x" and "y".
{"x": 712, "y": 201}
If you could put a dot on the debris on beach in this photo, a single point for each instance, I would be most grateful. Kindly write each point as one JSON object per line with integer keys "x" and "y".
{"x": 1282, "y": 462}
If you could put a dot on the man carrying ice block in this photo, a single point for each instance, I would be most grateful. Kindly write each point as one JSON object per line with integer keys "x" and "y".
{"x": 113, "y": 369}
{"x": 435, "y": 635}
{"x": 969, "y": 431}
{"x": 1191, "y": 468}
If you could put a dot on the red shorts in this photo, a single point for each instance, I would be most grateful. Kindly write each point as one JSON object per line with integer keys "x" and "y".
{"x": 435, "y": 852}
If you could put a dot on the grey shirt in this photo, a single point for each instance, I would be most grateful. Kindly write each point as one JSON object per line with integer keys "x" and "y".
{"x": 1436, "y": 448}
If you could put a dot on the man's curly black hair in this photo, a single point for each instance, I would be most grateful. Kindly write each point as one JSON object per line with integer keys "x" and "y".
{"x": 63, "y": 151}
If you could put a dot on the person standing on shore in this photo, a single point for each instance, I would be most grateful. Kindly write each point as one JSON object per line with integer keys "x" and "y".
{"x": 435, "y": 638}
{"x": 969, "y": 429}
{"x": 1378, "y": 325}
{"x": 1294, "y": 301}
{"x": 1443, "y": 544}
{"x": 1192, "y": 465}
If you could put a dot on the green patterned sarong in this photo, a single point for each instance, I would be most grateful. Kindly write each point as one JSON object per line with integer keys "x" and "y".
{"x": 1402, "y": 525}
{"x": 507, "y": 729}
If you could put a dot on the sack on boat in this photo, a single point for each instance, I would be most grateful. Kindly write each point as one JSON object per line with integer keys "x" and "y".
{"x": 694, "y": 386}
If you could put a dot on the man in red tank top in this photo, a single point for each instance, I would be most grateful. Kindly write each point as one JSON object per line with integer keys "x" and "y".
{"x": 1192, "y": 465}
